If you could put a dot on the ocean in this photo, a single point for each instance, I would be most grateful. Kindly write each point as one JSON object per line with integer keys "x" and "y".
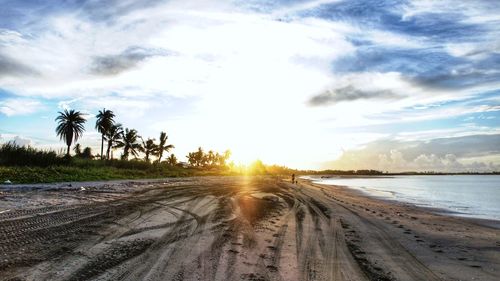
{"x": 476, "y": 196}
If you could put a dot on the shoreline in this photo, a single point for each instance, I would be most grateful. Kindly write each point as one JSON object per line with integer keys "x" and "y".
{"x": 434, "y": 210}
{"x": 430, "y": 205}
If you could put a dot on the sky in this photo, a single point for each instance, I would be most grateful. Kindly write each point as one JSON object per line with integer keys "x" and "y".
{"x": 386, "y": 85}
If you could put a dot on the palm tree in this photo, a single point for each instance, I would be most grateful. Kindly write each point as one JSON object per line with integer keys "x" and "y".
{"x": 192, "y": 159}
{"x": 200, "y": 157}
{"x": 129, "y": 143}
{"x": 70, "y": 126}
{"x": 103, "y": 124}
{"x": 113, "y": 137}
{"x": 172, "y": 160}
{"x": 210, "y": 158}
{"x": 162, "y": 146}
{"x": 224, "y": 157}
{"x": 149, "y": 148}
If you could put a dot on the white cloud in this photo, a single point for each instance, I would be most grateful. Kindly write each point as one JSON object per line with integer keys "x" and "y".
{"x": 19, "y": 106}
{"x": 66, "y": 104}
{"x": 21, "y": 141}
{"x": 16, "y": 139}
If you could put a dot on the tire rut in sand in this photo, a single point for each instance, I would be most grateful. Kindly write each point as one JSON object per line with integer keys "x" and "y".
{"x": 169, "y": 250}
{"x": 116, "y": 254}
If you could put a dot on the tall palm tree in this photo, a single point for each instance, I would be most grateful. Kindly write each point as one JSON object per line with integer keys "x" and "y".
{"x": 105, "y": 119}
{"x": 162, "y": 146}
{"x": 70, "y": 126}
{"x": 113, "y": 137}
{"x": 148, "y": 148}
{"x": 129, "y": 143}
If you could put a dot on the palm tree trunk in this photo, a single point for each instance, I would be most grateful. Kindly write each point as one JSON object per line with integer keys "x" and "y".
{"x": 102, "y": 146}
{"x": 107, "y": 151}
{"x": 67, "y": 152}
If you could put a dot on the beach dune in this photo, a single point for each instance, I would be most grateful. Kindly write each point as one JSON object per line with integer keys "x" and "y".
{"x": 233, "y": 228}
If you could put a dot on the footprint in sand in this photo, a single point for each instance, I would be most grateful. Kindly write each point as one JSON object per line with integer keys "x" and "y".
{"x": 272, "y": 248}
{"x": 272, "y": 268}
{"x": 253, "y": 277}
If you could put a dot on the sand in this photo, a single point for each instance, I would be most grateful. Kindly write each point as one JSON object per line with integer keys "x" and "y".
{"x": 233, "y": 228}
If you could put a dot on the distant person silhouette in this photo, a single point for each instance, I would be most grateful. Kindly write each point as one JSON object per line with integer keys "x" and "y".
{"x": 293, "y": 178}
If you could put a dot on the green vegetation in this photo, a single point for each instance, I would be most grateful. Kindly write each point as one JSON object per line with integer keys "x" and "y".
{"x": 29, "y": 165}
{"x": 14, "y": 155}
{"x": 75, "y": 173}
{"x": 20, "y": 164}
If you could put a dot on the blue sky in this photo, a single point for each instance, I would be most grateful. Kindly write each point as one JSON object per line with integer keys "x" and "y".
{"x": 389, "y": 85}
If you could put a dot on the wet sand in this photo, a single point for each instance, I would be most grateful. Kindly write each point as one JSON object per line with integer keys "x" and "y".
{"x": 233, "y": 228}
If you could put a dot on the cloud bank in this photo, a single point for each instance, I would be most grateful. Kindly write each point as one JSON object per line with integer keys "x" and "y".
{"x": 475, "y": 153}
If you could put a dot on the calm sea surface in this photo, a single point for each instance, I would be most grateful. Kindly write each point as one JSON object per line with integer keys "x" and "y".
{"x": 472, "y": 196}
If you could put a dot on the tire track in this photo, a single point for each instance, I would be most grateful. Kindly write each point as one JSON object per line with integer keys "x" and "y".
{"x": 203, "y": 229}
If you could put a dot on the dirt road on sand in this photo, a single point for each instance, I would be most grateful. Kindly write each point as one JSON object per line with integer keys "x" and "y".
{"x": 214, "y": 229}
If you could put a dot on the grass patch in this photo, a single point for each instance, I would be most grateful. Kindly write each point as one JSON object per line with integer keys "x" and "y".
{"x": 63, "y": 174}
{"x": 26, "y": 174}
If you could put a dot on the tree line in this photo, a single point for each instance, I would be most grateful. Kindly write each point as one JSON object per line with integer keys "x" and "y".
{"x": 70, "y": 128}
{"x": 211, "y": 159}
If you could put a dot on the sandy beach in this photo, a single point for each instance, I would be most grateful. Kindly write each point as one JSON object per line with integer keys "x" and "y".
{"x": 233, "y": 228}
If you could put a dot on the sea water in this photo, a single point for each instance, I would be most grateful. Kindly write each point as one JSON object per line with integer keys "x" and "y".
{"x": 475, "y": 196}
